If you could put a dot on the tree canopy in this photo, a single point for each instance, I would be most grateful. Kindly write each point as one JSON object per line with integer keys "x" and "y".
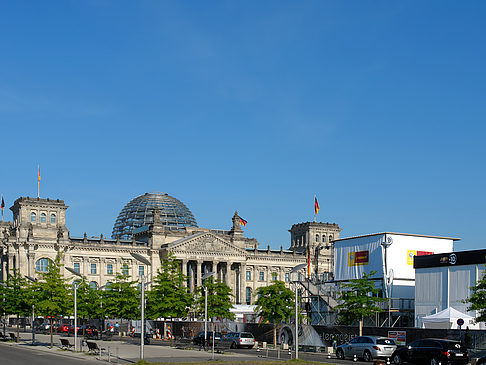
{"x": 358, "y": 300}
{"x": 169, "y": 298}
{"x": 275, "y": 304}
{"x": 219, "y": 299}
{"x": 477, "y": 300}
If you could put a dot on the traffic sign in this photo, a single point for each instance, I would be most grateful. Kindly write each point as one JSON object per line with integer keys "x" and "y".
{"x": 460, "y": 321}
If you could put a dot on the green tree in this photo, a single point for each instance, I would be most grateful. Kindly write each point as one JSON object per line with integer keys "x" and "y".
{"x": 219, "y": 300}
{"x": 169, "y": 297}
{"x": 88, "y": 301}
{"x": 52, "y": 293}
{"x": 359, "y": 299}
{"x": 477, "y": 300}
{"x": 275, "y": 305}
{"x": 18, "y": 298}
{"x": 122, "y": 299}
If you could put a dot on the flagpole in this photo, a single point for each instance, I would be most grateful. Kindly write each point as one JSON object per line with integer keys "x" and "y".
{"x": 38, "y": 181}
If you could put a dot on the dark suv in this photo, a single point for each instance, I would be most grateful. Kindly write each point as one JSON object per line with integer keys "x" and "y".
{"x": 433, "y": 351}
{"x": 199, "y": 338}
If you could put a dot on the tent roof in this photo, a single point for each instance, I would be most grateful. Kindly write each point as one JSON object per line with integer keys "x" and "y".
{"x": 446, "y": 314}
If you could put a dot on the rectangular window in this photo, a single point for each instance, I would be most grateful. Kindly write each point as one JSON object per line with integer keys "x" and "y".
{"x": 77, "y": 267}
{"x": 109, "y": 269}
{"x": 93, "y": 268}
{"x": 287, "y": 277}
{"x": 274, "y": 276}
{"x": 125, "y": 269}
{"x": 141, "y": 270}
{"x": 248, "y": 275}
{"x": 261, "y": 276}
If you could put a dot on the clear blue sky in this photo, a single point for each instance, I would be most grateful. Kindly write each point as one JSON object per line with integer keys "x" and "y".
{"x": 377, "y": 107}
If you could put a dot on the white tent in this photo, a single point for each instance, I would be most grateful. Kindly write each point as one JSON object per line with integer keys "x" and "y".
{"x": 448, "y": 319}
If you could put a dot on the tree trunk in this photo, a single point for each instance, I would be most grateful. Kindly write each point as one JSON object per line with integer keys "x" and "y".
{"x": 121, "y": 331}
{"x": 52, "y": 340}
{"x": 274, "y": 335}
{"x": 18, "y": 328}
{"x": 361, "y": 326}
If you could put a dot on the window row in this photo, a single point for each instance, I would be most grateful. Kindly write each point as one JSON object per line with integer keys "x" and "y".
{"x": 42, "y": 265}
{"x": 261, "y": 276}
{"x": 324, "y": 238}
{"x": 43, "y": 217}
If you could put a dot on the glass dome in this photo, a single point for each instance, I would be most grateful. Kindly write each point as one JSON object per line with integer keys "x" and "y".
{"x": 140, "y": 212}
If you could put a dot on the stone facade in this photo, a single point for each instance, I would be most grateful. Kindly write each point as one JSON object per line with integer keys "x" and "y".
{"x": 38, "y": 232}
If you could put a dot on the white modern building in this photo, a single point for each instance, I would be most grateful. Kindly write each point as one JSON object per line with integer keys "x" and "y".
{"x": 389, "y": 256}
{"x": 444, "y": 281}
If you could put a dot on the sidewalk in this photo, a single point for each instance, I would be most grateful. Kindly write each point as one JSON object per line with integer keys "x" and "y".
{"x": 122, "y": 352}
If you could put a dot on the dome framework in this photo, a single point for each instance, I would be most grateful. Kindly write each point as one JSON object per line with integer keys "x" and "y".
{"x": 139, "y": 212}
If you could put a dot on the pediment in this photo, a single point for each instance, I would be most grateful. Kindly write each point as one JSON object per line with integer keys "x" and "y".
{"x": 207, "y": 243}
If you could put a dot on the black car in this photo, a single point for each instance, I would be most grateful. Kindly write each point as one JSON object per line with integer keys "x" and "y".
{"x": 199, "y": 338}
{"x": 432, "y": 351}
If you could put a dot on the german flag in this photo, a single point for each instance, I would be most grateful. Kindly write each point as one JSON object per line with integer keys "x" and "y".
{"x": 316, "y": 205}
{"x": 3, "y": 204}
{"x": 243, "y": 222}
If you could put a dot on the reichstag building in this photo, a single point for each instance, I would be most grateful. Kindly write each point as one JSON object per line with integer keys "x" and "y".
{"x": 153, "y": 225}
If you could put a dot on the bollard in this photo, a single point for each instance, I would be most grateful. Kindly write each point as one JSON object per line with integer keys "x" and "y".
{"x": 329, "y": 355}
{"x": 278, "y": 352}
{"x": 290, "y": 353}
{"x": 267, "y": 352}
{"x": 387, "y": 361}
{"x": 109, "y": 354}
{"x": 355, "y": 358}
{"x": 258, "y": 348}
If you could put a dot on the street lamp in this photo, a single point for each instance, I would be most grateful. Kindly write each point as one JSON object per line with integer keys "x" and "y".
{"x": 33, "y": 313}
{"x": 74, "y": 272}
{"x": 296, "y": 335}
{"x": 204, "y": 277}
{"x": 143, "y": 260}
{"x": 387, "y": 276}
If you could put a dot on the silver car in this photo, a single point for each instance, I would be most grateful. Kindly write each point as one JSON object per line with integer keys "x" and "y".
{"x": 240, "y": 339}
{"x": 367, "y": 347}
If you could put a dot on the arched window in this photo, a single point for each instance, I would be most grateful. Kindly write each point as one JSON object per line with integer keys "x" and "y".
{"x": 53, "y": 218}
{"x": 108, "y": 286}
{"x": 93, "y": 285}
{"x": 42, "y": 265}
{"x": 330, "y": 238}
{"x": 43, "y": 217}
{"x": 317, "y": 237}
{"x": 323, "y": 238}
{"x": 33, "y": 217}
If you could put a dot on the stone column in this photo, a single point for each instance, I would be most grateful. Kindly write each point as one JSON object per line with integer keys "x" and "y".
{"x": 198, "y": 272}
{"x": 215, "y": 269}
{"x": 31, "y": 260}
{"x": 243, "y": 283}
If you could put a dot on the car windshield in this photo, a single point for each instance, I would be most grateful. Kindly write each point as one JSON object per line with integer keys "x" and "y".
{"x": 385, "y": 341}
{"x": 246, "y": 335}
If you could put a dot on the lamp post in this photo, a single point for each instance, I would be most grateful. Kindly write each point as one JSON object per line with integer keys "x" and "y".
{"x": 204, "y": 277}
{"x": 296, "y": 334}
{"x": 74, "y": 272}
{"x": 143, "y": 260}
{"x": 33, "y": 312}
{"x": 387, "y": 243}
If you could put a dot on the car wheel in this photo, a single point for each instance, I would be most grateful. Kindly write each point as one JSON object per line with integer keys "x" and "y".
{"x": 397, "y": 359}
{"x": 367, "y": 356}
{"x": 434, "y": 361}
{"x": 340, "y": 354}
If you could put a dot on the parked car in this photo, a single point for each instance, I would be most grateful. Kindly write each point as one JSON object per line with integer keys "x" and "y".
{"x": 43, "y": 328}
{"x": 367, "y": 347}
{"x": 433, "y": 351}
{"x": 240, "y": 339}
{"x": 199, "y": 338}
{"x": 62, "y": 328}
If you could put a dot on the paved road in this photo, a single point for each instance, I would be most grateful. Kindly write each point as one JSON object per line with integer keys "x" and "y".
{"x": 12, "y": 354}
